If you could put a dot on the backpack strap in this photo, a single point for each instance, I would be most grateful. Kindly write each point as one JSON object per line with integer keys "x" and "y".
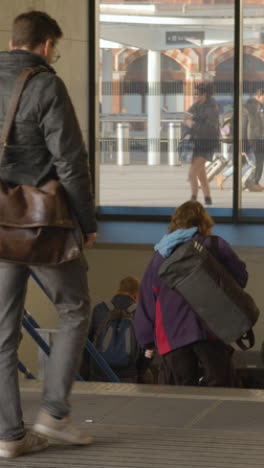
{"x": 214, "y": 248}
{"x": 132, "y": 308}
{"x": 109, "y": 305}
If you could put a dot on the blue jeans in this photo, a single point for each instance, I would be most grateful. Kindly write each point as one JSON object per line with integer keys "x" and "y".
{"x": 252, "y": 160}
{"x": 66, "y": 285}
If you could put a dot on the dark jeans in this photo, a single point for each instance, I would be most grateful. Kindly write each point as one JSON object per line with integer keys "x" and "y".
{"x": 210, "y": 359}
{"x": 259, "y": 166}
{"x": 257, "y": 147}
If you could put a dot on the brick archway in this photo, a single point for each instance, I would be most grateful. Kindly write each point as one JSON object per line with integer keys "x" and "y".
{"x": 221, "y": 54}
{"x": 125, "y": 57}
{"x": 188, "y": 59}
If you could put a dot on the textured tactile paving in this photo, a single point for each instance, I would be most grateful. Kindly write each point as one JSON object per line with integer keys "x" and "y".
{"x": 136, "y": 428}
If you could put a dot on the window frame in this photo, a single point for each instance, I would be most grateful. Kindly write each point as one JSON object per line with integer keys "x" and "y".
{"x": 236, "y": 214}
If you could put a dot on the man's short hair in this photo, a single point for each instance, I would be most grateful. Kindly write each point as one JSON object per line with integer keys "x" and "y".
{"x": 129, "y": 285}
{"x": 33, "y": 28}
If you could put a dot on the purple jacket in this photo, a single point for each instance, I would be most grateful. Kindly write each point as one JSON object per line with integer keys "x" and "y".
{"x": 162, "y": 315}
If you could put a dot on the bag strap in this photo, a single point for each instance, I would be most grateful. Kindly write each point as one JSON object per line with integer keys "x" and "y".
{"x": 214, "y": 248}
{"x": 20, "y": 83}
{"x": 109, "y": 305}
{"x": 130, "y": 309}
{"x": 250, "y": 337}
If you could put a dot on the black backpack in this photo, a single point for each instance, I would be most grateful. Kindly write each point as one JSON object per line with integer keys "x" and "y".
{"x": 211, "y": 291}
{"x": 115, "y": 338}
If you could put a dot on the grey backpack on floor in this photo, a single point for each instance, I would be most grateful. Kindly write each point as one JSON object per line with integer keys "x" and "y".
{"x": 211, "y": 291}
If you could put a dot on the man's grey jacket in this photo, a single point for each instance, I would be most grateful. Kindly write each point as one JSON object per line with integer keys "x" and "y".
{"x": 45, "y": 141}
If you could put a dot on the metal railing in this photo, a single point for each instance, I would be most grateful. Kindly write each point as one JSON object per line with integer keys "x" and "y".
{"x": 122, "y": 144}
{"x": 119, "y": 141}
{"x": 31, "y": 326}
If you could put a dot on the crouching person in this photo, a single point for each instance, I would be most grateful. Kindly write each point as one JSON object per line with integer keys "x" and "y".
{"x": 112, "y": 333}
{"x": 165, "y": 320}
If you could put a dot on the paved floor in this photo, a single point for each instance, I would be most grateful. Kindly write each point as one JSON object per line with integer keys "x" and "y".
{"x": 162, "y": 186}
{"x": 141, "y": 426}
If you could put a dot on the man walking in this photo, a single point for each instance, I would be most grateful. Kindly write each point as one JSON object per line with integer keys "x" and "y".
{"x": 255, "y": 135}
{"x": 45, "y": 143}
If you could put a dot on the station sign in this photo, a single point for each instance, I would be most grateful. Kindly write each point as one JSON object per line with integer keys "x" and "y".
{"x": 184, "y": 38}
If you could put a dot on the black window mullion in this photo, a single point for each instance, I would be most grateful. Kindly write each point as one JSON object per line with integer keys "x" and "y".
{"x": 92, "y": 94}
{"x": 238, "y": 89}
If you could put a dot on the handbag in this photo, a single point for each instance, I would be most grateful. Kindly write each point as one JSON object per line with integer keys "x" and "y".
{"x": 36, "y": 223}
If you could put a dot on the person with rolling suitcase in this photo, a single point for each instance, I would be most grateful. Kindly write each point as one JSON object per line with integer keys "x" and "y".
{"x": 213, "y": 168}
{"x": 247, "y": 173}
{"x": 248, "y": 156}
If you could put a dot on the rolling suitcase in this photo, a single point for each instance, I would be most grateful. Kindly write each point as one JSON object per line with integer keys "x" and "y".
{"x": 217, "y": 165}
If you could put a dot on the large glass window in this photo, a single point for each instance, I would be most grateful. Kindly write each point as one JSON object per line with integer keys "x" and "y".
{"x": 253, "y": 111}
{"x": 167, "y": 104}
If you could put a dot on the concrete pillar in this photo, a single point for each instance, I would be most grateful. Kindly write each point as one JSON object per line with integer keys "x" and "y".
{"x": 107, "y": 81}
{"x": 153, "y": 108}
{"x": 122, "y": 134}
{"x": 118, "y": 77}
{"x": 107, "y": 90}
{"x": 174, "y": 136}
{"x": 189, "y": 90}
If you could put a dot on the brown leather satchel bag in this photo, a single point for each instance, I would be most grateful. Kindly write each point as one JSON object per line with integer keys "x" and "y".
{"x": 36, "y": 223}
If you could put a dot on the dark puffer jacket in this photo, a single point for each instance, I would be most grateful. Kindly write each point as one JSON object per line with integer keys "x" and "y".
{"x": 45, "y": 141}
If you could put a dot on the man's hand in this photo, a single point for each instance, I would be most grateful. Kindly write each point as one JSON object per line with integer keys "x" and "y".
{"x": 89, "y": 242}
{"x": 189, "y": 123}
{"x": 149, "y": 353}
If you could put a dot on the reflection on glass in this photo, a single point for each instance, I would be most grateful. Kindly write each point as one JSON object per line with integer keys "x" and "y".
{"x": 162, "y": 140}
{"x": 253, "y": 111}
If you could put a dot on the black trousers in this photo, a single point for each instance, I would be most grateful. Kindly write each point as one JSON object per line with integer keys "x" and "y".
{"x": 210, "y": 359}
{"x": 257, "y": 146}
{"x": 259, "y": 166}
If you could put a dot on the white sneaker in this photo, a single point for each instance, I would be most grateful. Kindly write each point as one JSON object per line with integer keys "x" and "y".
{"x": 60, "y": 429}
{"x": 30, "y": 443}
